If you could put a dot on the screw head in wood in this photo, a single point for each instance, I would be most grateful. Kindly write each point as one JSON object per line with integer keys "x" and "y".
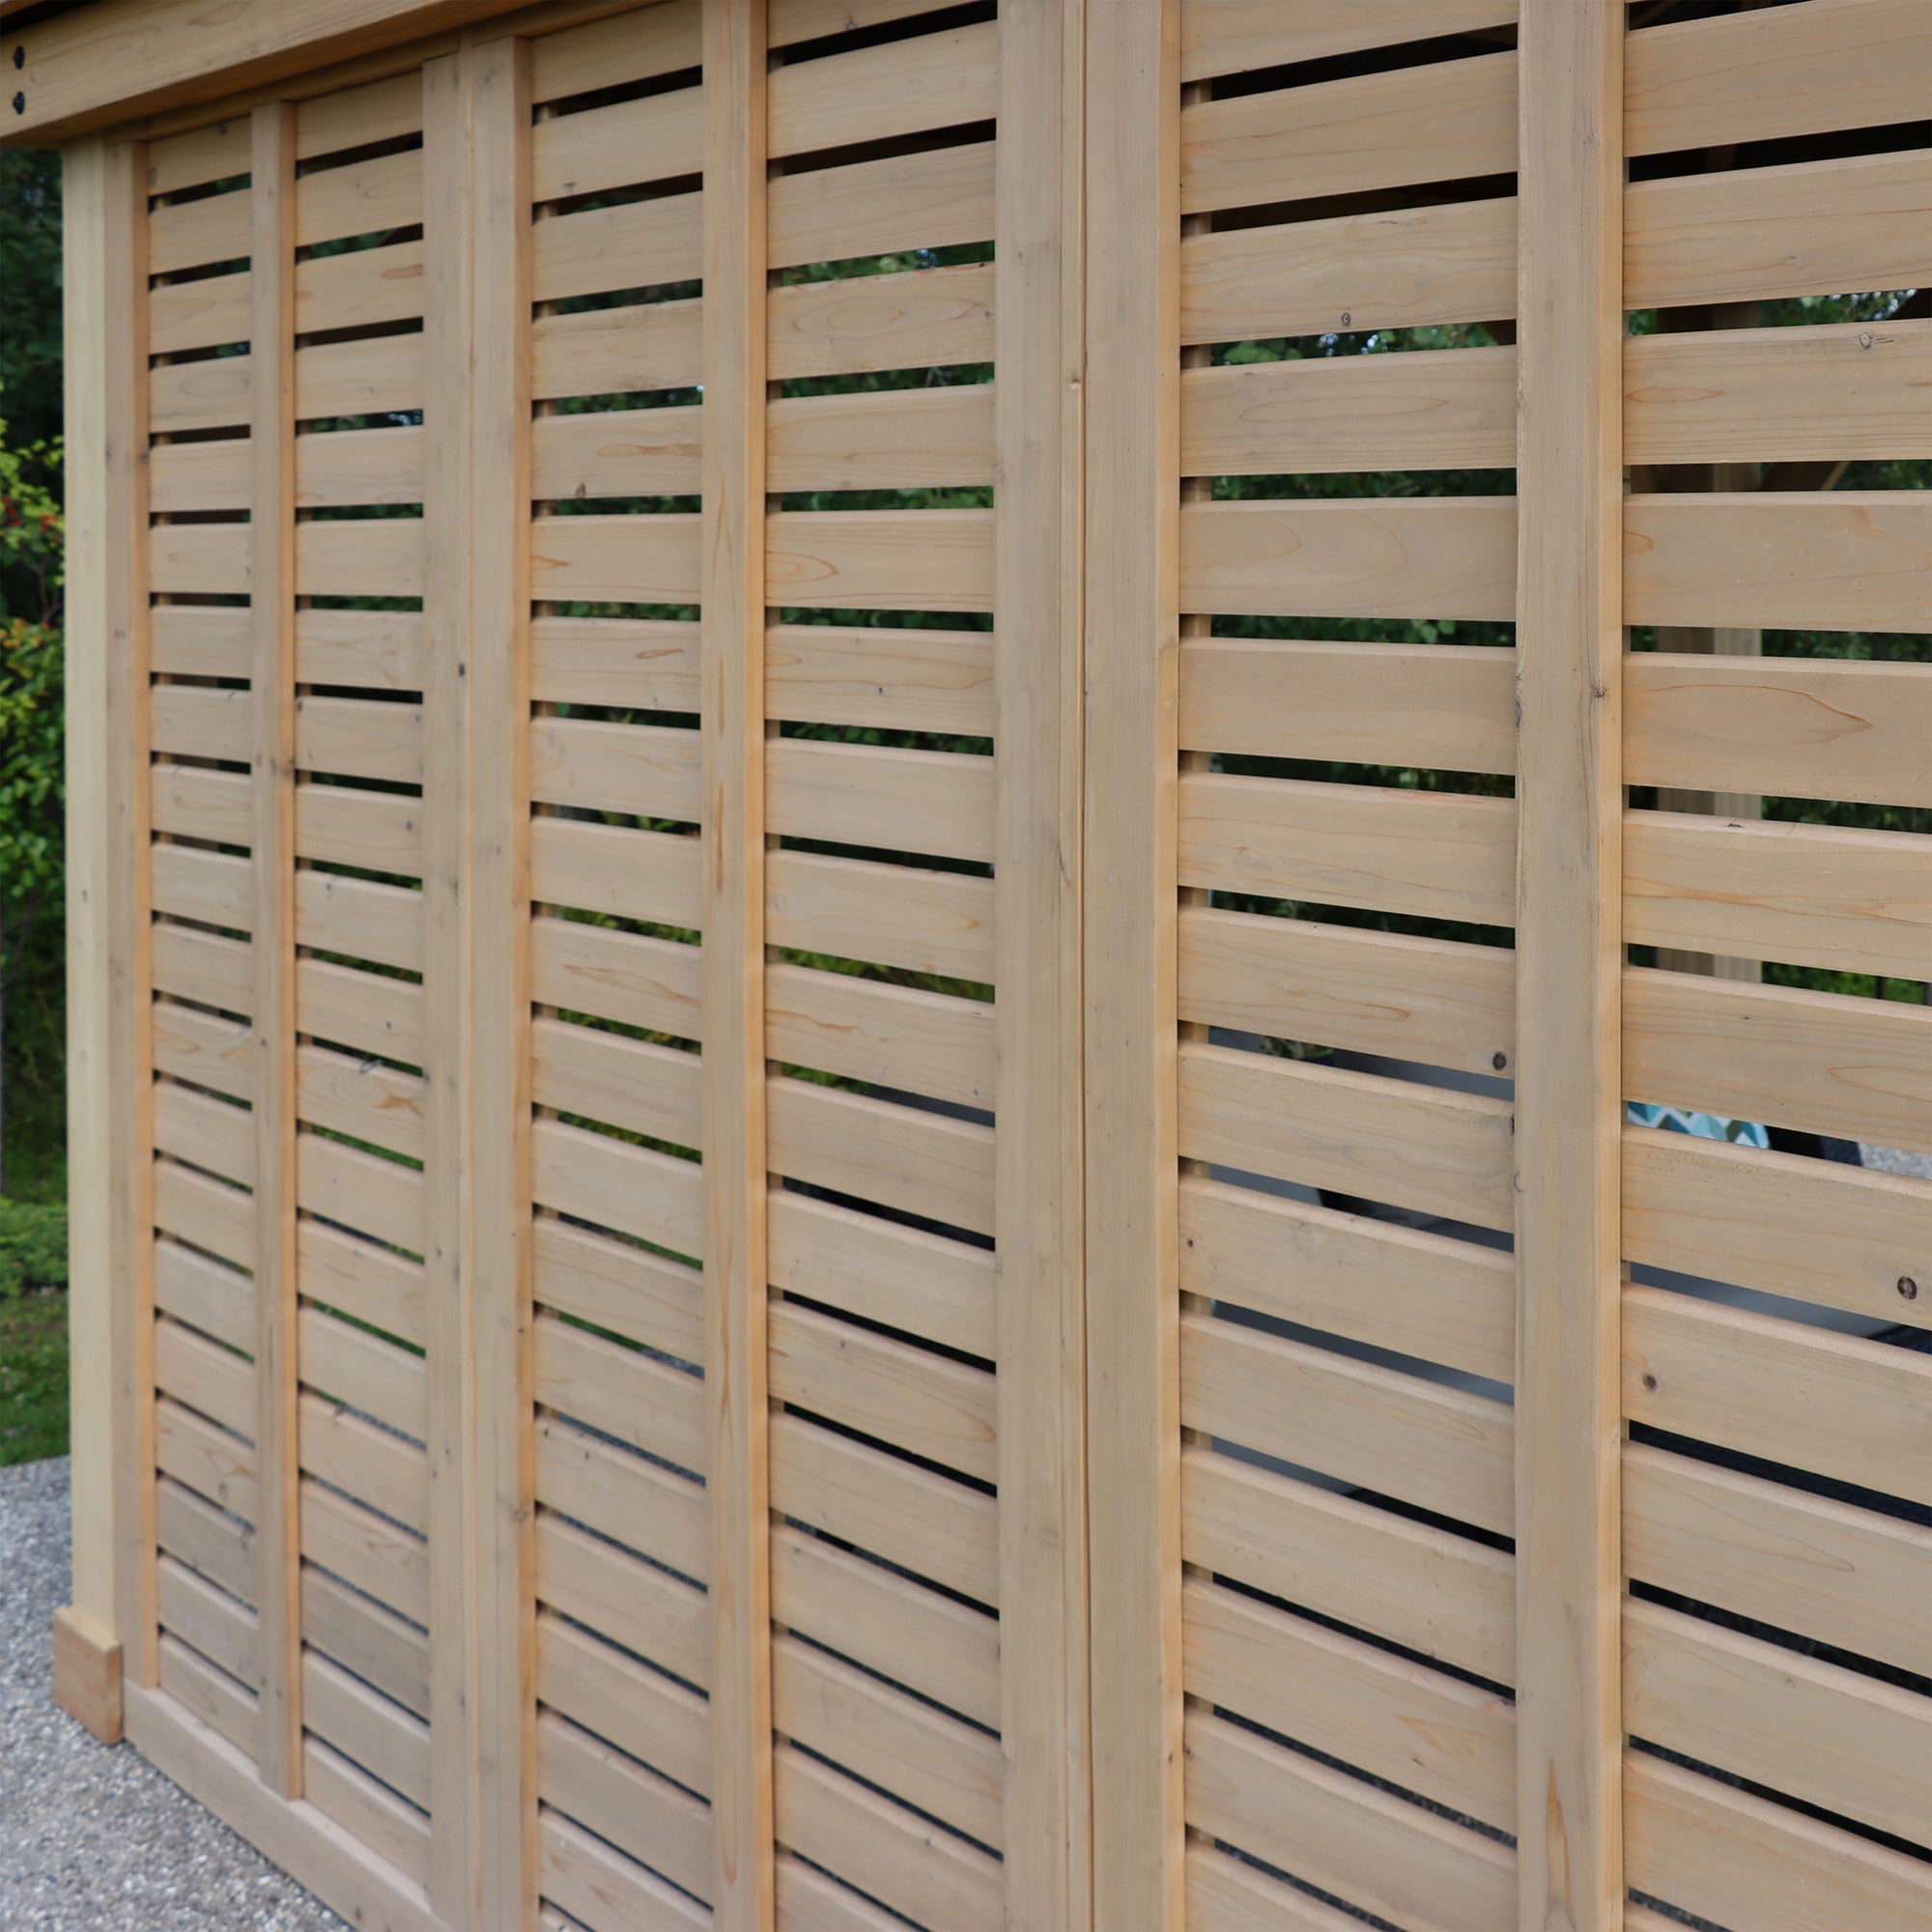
{"x": 19, "y": 103}
{"x": 1650, "y": 1384}
{"x": 1499, "y": 1060}
{"x": 1908, "y": 1288}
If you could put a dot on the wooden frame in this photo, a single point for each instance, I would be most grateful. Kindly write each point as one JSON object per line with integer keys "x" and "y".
{"x": 854, "y": 1273}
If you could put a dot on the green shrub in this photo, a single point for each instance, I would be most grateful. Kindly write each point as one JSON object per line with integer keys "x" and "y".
{"x": 33, "y": 1247}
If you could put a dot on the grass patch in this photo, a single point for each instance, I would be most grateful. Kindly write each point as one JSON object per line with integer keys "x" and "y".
{"x": 32, "y": 1329}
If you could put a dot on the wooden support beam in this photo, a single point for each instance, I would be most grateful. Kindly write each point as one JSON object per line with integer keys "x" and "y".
{"x": 1038, "y": 353}
{"x": 271, "y": 609}
{"x": 732, "y": 835}
{"x": 1130, "y": 945}
{"x": 109, "y": 1626}
{"x": 1569, "y": 1103}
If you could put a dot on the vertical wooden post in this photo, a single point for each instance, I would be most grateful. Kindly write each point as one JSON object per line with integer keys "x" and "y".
{"x": 271, "y": 601}
{"x": 109, "y": 1624}
{"x": 457, "y": 1837}
{"x": 732, "y": 729}
{"x": 497, "y": 911}
{"x": 1569, "y": 967}
{"x": 1132, "y": 648}
{"x": 1038, "y": 353}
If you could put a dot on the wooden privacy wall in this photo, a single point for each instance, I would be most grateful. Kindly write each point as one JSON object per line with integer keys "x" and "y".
{"x": 877, "y": 813}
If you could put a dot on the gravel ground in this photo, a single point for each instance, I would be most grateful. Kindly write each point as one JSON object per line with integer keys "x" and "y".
{"x": 93, "y": 1838}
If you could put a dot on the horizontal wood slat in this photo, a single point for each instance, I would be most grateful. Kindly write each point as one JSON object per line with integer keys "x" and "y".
{"x": 1236, "y": 36}
{"x": 1448, "y": 121}
{"x": 911, "y": 318}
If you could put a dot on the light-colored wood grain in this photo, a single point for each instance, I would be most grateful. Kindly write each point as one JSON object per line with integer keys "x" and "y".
{"x": 1429, "y": 1148}
{"x": 1368, "y": 1847}
{"x": 610, "y": 147}
{"x": 1437, "y": 1001}
{"x": 1569, "y": 954}
{"x": 895, "y": 915}
{"x": 192, "y": 233}
{"x": 213, "y": 1381}
{"x": 645, "y": 771}
{"x": 1706, "y": 83}
{"x": 1449, "y": 121}
{"x": 610, "y": 869}
{"x": 200, "y": 1210}
{"x": 364, "y": 1192}
{"x": 1434, "y": 854}
{"x": 364, "y": 197}
{"x": 1817, "y": 728}
{"x": 274, "y": 1078}
{"x": 369, "y": 1464}
{"x": 109, "y": 890}
{"x": 888, "y": 440}
{"x": 343, "y": 825}
{"x": 615, "y": 452}
{"x": 1412, "y": 1583}
{"x": 385, "y": 109}
{"x": 204, "y": 154}
{"x": 897, "y": 1857}
{"x": 650, "y": 559}
{"x": 1821, "y": 1732}
{"x": 1811, "y": 894}
{"x": 359, "y": 466}
{"x": 1837, "y": 1405}
{"x": 199, "y": 559}
{"x": 373, "y": 1011}
{"x": 1437, "y": 1300}
{"x": 626, "y": 977}
{"x": 365, "y": 376}
{"x": 657, "y": 345}
{"x": 1403, "y": 269}
{"x": 946, "y": 1769}
{"x": 599, "y": 1884}
{"x": 198, "y": 1047}
{"x": 940, "y": 1411}
{"x": 360, "y": 917}
{"x": 635, "y": 46}
{"x": 935, "y": 199}
{"x": 362, "y": 1098}
{"x": 1449, "y": 408}
{"x": 368, "y": 1810}
{"x": 1808, "y": 228}
{"x": 733, "y": 594}
{"x": 631, "y": 245}
{"x": 946, "y": 78}
{"x": 921, "y": 1522}
{"x": 189, "y": 641}
{"x": 1236, "y": 35}
{"x": 198, "y": 475}
{"x": 207, "y": 1539}
{"x": 647, "y": 663}
{"x": 631, "y": 1189}
{"x": 204, "y": 967}
{"x": 205, "y": 1294}
{"x": 193, "y": 801}
{"x": 1842, "y": 391}
{"x": 1848, "y": 1577}
{"x": 1817, "y": 1232}
{"x": 377, "y": 1644}
{"x": 1443, "y": 707}
{"x": 198, "y": 314}
{"x": 1422, "y": 1729}
{"x": 1711, "y": 1847}
{"x": 360, "y": 1280}
{"x": 919, "y": 1162}
{"x": 1226, "y": 1894}
{"x": 895, "y": 680}
{"x": 211, "y": 394}
{"x": 1441, "y": 557}
{"x": 360, "y": 288}
{"x": 1843, "y": 560}
{"x": 620, "y": 1392}
{"x": 629, "y": 1498}
{"x": 888, "y": 1622}
{"x": 906, "y": 320}
{"x": 881, "y": 560}
{"x": 642, "y": 1297}
{"x": 942, "y": 803}
{"x": 896, "y": 1036}
{"x": 641, "y": 1711}
{"x": 201, "y": 721}
{"x": 648, "y": 1611}
{"x": 645, "y": 1816}
{"x": 1443, "y": 1448}
{"x": 368, "y": 1729}
{"x": 882, "y": 1271}
{"x": 374, "y": 556}
{"x": 360, "y": 738}
{"x": 205, "y": 1459}
{"x": 1858, "y": 1068}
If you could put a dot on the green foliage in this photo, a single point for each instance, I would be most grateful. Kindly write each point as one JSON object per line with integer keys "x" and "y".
{"x": 30, "y": 283}
{"x": 33, "y": 1331}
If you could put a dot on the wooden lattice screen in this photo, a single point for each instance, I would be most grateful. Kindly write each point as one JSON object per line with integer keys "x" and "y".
{"x": 858, "y": 949}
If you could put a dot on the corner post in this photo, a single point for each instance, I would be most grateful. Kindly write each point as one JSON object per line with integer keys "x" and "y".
{"x": 109, "y": 1627}
{"x": 1569, "y": 967}
{"x": 732, "y": 845}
